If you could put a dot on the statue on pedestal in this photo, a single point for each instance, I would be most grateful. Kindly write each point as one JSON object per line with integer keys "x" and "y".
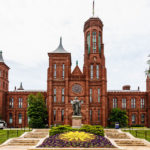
{"x": 76, "y": 105}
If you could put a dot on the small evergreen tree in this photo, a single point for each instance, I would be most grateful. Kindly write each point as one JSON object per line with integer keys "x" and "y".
{"x": 37, "y": 111}
{"x": 118, "y": 115}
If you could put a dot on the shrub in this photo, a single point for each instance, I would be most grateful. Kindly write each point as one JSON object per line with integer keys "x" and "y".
{"x": 137, "y": 125}
{"x": 95, "y": 129}
{"x": 61, "y": 129}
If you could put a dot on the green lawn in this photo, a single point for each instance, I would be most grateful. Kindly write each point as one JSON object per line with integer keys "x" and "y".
{"x": 6, "y": 134}
{"x": 143, "y": 134}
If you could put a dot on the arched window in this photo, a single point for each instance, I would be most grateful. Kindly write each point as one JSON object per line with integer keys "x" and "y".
{"x": 142, "y": 103}
{"x": 20, "y": 102}
{"x": 55, "y": 71}
{"x": 63, "y": 95}
{"x": 97, "y": 71}
{"x": 94, "y": 42}
{"x": 54, "y": 95}
{"x": 133, "y": 102}
{"x": 99, "y": 43}
{"x": 115, "y": 103}
{"x": 54, "y": 115}
{"x": 20, "y": 118}
{"x": 63, "y": 71}
{"x": 88, "y": 42}
{"x": 91, "y": 72}
{"x": 10, "y": 118}
{"x": 90, "y": 95}
{"x": 99, "y": 96}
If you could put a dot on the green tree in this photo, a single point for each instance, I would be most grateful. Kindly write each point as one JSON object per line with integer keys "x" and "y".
{"x": 118, "y": 115}
{"x": 37, "y": 111}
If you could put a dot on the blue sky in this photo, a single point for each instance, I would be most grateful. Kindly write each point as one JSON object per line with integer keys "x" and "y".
{"x": 29, "y": 29}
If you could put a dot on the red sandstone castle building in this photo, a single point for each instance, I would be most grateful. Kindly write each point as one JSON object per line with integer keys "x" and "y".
{"x": 90, "y": 86}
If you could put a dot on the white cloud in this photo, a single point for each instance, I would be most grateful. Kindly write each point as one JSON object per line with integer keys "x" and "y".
{"x": 29, "y": 29}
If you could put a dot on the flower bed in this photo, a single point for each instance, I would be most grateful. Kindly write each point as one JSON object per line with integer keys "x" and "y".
{"x": 82, "y": 139}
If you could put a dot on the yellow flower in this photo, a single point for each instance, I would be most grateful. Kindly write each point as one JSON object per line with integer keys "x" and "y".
{"x": 77, "y": 136}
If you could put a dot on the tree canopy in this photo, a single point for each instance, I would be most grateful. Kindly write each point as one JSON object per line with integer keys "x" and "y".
{"x": 37, "y": 111}
{"x": 118, "y": 115}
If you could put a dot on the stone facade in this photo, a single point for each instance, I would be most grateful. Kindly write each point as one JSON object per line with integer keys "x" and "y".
{"x": 90, "y": 86}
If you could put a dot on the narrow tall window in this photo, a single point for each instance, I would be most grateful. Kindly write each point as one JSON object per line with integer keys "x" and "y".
{"x": 142, "y": 118}
{"x": 62, "y": 115}
{"x": 133, "y": 103}
{"x": 54, "y": 115}
{"x": 10, "y": 118}
{"x": 99, "y": 98}
{"x": 20, "y": 118}
{"x": 63, "y": 71}
{"x": 63, "y": 95}
{"x": 142, "y": 103}
{"x": 20, "y": 102}
{"x": 94, "y": 42}
{"x": 124, "y": 103}
{"x": 0, "y": 73}
{"x": 97, "y": 71}
{"x": 114, "y": 102}
{"x": 90, "y": 115}
{"x": 91, "y": 74}
{"x": 90, "y": 95}
{"x": 88, "y": 43}
{"x": 133, "y": 118}
{"x": 11, "y": 102}
{"x": 54, "y": 95}
{"x": 98, "y": 115}
{"x": 55, "y": 71}
{"x": 99, "y": 43}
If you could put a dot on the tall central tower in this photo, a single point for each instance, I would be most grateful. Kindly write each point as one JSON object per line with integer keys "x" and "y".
{"x": 95, "y": 71}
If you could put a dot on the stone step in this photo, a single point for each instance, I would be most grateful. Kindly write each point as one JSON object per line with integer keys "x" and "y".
{"x": 118, "y": 135}
{"x": 22, "y": 142}
{"x": 42, "y": 130}
{"x": 36, "y": 135}
{"x": 129, "y": 143}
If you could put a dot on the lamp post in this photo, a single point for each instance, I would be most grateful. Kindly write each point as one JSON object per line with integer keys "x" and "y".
{"x": 147, "y": 72}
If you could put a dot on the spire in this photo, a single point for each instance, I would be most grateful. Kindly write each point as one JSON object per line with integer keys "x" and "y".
{"x": 21, "y": 87}
{"x": 76, "y": 62}
{"x": 60, "y": 48}
{"x": 1, "y": 57}
{"x": 93, "y": 7}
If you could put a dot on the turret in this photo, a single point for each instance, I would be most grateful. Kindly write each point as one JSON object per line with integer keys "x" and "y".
{"x": 4, "y": 84}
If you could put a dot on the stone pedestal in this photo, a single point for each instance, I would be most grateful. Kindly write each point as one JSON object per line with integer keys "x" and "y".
{"x": 76, "y": 121}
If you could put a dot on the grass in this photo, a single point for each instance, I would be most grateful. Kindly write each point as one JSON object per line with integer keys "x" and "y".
{"x": 143, "y": 134}
{"x": 6, "y": 134}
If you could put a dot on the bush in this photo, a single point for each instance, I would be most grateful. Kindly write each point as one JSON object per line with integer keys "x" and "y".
{"x": 95, "y": 129}
{"x": 61, "y": 129}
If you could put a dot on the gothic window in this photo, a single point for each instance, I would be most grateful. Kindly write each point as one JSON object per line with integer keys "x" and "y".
{"x": 10, "y": 118}
{"x": 142, "y": 118}
{"x": 62, "y": 115}
{"x": 124, "y": 103}
{"x": 114, "y": 102}
{"x": 20, "y": 118}
{"x": 142, "y": 103}
{"x": 98, "y": 95}
{"x": 88, "y": 42}
{"x": 97, "y": 71}
{"x": 55, "y": 71}
{"x": 11, "y": 102}
{"x": 99, "y": 115}
{"x": 133, "y": 103}
{"x": 63, "y": 95}
{"x": 99, "y": 42}
{"x": 133, "y": 118}
{"x": 91, "y": 74}
{"x": 94, "y": 42}
{"x": 20, "y": 102}
{"x": 54, "y": 95}
{"x": 90, "y": 115}
{"x": 54, "y": 115}
{"x": 90, "y": 95}
{"x": 63, "y": 72}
